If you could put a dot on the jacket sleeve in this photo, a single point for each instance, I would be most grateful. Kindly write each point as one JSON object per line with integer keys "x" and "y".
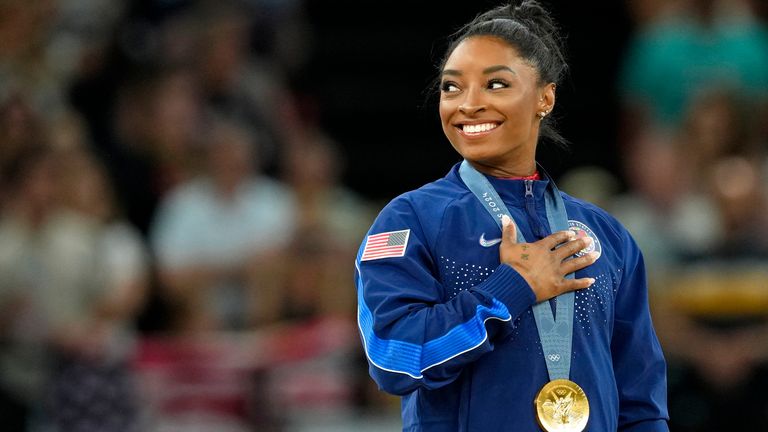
{"x": 638, "y": 360}
{"x": 412, "y": 335}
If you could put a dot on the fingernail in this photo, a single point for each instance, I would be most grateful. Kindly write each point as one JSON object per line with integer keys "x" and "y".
{"x": 588, "y": 240}
{"x": 591, "y": 281}
{"x": 505, "y": 220}
{"x": 594, "y": 254}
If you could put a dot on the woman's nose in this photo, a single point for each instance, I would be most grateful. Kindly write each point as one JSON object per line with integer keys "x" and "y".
{"x": 472, "y": 104}
{"x": 471, "y": 110}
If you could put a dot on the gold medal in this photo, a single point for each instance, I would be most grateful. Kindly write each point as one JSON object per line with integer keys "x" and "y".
{"x": 562, "y": 406}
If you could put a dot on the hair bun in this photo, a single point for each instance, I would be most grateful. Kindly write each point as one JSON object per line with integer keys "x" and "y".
{"x": 533, "y": 15}
{"x": 530, "y": 13}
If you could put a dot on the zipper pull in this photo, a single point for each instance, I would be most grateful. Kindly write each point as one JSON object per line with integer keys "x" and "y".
{"x": 530, "y": 206}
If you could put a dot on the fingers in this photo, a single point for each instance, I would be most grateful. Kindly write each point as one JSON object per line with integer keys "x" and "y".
{"x": 552, "y": 240}
{"x": 509, "y": 229}
{"x": 574, "y": 264}
{"x": 577, "y": 284}
{"x": 573, "y": 246}
{"x": 564, "y": 286}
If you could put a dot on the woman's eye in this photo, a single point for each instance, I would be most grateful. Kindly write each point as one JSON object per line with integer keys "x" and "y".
{"x": 449, "y": 87}
{"x": 497, "y": 84}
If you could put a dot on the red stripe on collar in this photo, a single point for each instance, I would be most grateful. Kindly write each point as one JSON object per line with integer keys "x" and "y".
{"x": 534, "y": 176}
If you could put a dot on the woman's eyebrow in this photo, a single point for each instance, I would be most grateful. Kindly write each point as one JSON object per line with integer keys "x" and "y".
{"x": 486, "y": 71}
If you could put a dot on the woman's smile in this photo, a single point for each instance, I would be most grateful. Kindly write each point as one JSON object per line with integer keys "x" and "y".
{"x": 476, "y": 130}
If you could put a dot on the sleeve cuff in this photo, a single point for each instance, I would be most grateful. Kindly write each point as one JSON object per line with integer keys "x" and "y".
{"x": 510, "y": 288}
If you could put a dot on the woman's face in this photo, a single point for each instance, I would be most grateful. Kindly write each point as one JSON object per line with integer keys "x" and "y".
{"x": 489, "y": 100}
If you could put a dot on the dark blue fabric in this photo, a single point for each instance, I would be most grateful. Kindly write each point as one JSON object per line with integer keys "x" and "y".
{"x": 451, "y": 330}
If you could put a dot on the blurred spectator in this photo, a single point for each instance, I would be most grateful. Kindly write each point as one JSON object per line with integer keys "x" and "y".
{"x": 718, "y": 122}
{"x": 670, "y": 218}
{"x": 313, "y": 167}
{"x": 124, "y": 270}
{"x": 237, "y": 82}
{"x": 211, "y": 234}
{"x": 24, "y": 287}
{"x": 68, "y": 298}
{"x": 26, "y": 64}
{"x": 309, "y": 276}
{"x": 723, "y": 159}
{"x": 742, "y": 206}
{"x": 20, "y": 128}
{"x": 669, "y": 61}
{"x": 87, "y": 191}
{"x": 157, "y": 128}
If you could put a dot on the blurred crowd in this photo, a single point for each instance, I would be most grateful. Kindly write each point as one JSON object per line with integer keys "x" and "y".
{"x": 171, "y": 215}
{"x": 177, "y": 245}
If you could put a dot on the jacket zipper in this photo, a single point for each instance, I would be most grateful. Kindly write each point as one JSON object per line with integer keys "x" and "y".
{"x": 530, "y": 206}
{"x": 538, "y": 229}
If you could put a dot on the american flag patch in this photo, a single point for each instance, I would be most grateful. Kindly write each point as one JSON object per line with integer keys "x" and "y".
{"x": 385, "y": 245}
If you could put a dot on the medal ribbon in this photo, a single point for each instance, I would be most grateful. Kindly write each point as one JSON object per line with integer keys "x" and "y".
{"x": 556, "y": 335}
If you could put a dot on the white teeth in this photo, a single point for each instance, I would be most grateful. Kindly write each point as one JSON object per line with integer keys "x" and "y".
{"x": 477, "y": 128}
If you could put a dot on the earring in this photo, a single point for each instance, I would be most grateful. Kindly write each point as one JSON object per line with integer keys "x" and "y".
{"x": 542, "y": 114}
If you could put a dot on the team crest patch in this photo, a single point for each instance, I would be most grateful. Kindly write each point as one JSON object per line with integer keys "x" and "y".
{"x": 583, "y": 230}
{"x": 385, "y": 245}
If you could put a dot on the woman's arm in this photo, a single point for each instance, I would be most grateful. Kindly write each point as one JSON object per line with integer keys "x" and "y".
{"x": 413, "y": 336}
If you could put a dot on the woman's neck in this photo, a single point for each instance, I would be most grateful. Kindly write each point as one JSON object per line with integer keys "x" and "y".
{"x": 515, "y": 170}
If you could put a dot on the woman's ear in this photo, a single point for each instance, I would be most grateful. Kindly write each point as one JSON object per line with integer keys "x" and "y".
{"x": 546, "y": 100}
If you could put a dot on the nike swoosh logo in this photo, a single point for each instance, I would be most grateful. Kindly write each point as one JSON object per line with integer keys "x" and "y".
{"x": 488, "y": 243}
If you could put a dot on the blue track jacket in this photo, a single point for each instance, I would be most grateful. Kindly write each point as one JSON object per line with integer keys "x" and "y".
{"x": 451, "y": 330}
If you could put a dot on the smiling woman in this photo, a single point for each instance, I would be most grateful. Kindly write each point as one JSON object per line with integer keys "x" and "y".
{"x": 492, "y": 104}
{"x": 488, "y": 299}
